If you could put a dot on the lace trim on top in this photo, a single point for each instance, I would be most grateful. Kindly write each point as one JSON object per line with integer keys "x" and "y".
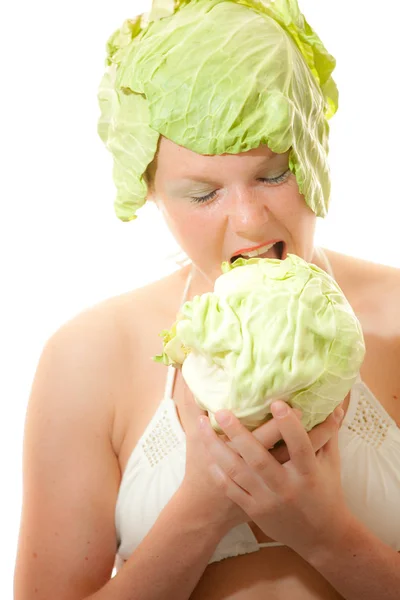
{"x": 161, "y": 439}
{"x": 369, "y": 422}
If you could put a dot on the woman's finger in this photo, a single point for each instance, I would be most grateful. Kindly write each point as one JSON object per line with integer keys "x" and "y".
{"x": 299, "y": 446}
{"x": 319, "y": 436}
{"x": 226, "y": 458}
{"x": 251, "y": 451}
{"x": 189, "y": 412}
{"x": 331, "y": 446}
{"x": 322, "y": 433}
{"x": 268, "y": 433}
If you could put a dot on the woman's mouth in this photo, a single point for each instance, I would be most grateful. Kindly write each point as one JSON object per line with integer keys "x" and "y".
{"x": 276, "y": 250}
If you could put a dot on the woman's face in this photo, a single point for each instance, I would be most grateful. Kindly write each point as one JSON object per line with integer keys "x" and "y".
{"x": 219, "y": 206}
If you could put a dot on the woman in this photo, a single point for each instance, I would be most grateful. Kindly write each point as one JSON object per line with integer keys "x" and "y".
{"x": 116, "y": 462}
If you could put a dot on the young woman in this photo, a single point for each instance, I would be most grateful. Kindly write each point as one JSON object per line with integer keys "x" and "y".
{"x": 121, "y": 466}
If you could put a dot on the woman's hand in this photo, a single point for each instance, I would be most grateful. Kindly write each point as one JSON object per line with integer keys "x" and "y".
{"x": 198, "y": 487}
{"x": 299, "y": 503}
{"x": 198, "y": 484}
{"x": 319, "y": 435}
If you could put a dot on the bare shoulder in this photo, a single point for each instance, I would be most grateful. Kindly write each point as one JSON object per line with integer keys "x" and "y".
{"x": 110, "y": 325}
{"x": 370, "y": 287}
{"x": 349, "y": 267}
{"x": 116, "y": 340}
{"x": 143, "y": 306}
{"x": 110, "y": 337}
{"x": 373, "y": 291}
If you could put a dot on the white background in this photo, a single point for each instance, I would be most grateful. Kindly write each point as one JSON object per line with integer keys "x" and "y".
{"x": 62, "y": 247}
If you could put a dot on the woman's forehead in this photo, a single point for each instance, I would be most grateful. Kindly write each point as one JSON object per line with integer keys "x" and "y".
{"x": 178, "y": 160}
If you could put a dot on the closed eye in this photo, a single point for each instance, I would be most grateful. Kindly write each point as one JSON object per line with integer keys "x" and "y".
{"x": 267, "y": 180}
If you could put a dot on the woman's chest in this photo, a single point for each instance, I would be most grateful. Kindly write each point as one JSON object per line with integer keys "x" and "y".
{"x": 137, "y": 408}
{"x": 381, "y": 369}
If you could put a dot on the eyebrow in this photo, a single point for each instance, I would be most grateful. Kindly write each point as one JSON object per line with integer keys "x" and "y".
{"x": 183, "y": 182}
{"x": 186, "y": 181}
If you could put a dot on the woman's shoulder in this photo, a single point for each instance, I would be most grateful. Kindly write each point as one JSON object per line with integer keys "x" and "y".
{"x": 144, "y": 312}
{"x": 122, "y": 316}
{"x": 162, "y": 296}
{"x": 106, "y": 349}
{"x": 348, "y": 266}
{"x": 370, "y": 287}
{"x": 115, "y": 336}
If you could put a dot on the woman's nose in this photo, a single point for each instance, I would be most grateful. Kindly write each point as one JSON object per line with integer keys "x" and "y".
{"x": 248, "y": 213}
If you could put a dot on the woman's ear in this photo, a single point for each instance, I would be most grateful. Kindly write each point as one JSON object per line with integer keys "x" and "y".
{"x": 151, "y": 194}
{"x": 149, "y": 178}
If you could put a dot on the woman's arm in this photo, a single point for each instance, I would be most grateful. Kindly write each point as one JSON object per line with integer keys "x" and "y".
{"x": 71, "y": 475}
{"x": 360, "y": 566}
{"x": 170, "y": 560}
{"x": 67, "y": 541}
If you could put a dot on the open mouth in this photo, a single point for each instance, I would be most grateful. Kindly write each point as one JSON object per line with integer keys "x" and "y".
{"x": 277, "y": 250}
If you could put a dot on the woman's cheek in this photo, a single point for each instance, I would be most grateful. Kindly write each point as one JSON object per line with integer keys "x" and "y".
{"x": 186, "y": 229}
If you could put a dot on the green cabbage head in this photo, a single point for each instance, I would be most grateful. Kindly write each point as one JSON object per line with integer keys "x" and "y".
{"x": 271, "y": 330}
{"x": 216, "y": 77}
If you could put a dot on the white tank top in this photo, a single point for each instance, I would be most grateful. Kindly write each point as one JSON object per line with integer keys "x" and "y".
{"x": 369, "y": 444}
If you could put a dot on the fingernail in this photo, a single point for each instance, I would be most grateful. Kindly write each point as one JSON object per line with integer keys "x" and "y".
{"x": 223, "y": 417}
{"x": 279, "y": 408}
{"x": 338, "y": 414}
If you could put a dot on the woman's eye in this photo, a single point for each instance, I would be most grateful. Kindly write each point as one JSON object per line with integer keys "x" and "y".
{"x": 209, "y": 196}
{"x": 278, "y": 179}
{"x": 268, "y": 180}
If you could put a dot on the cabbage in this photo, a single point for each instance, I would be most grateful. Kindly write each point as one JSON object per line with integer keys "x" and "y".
{"x": 218, "y": 76}
{"x": 271, "y": 330}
